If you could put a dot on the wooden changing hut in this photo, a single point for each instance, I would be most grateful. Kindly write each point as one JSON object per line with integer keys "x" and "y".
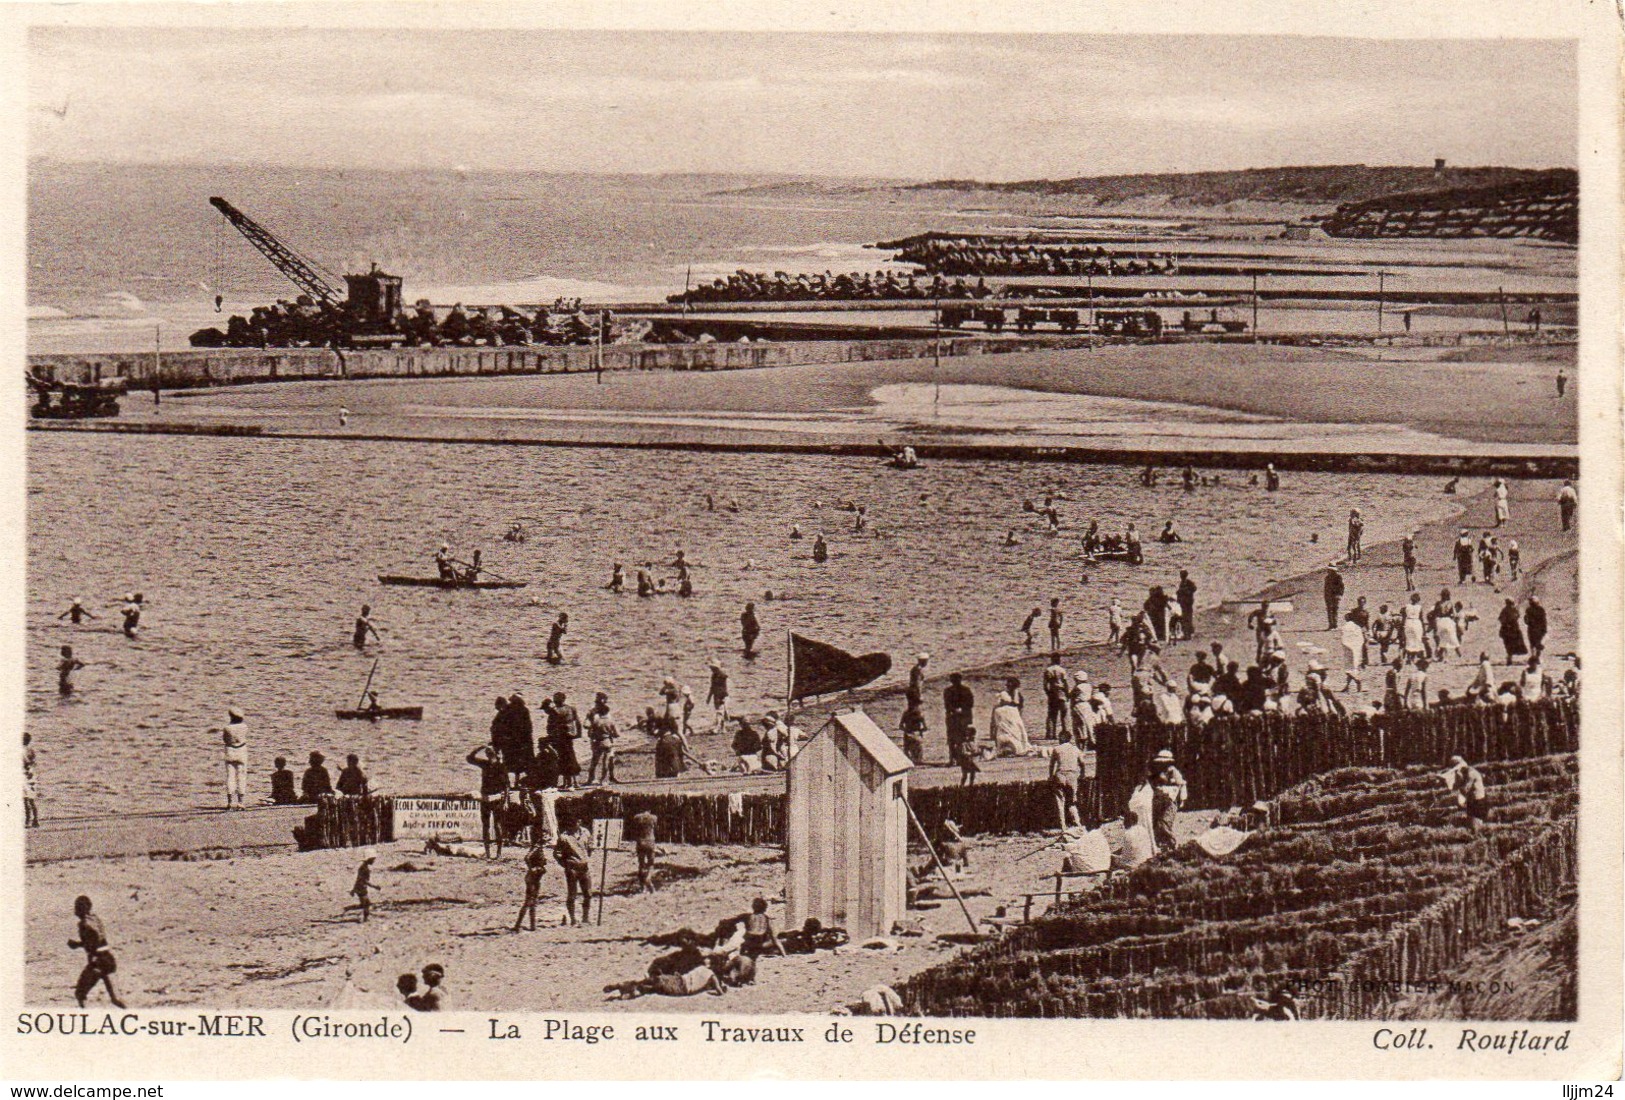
{"x": 847, "y": 831}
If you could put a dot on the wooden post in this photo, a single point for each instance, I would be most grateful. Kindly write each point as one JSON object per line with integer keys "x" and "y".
{"x": 1255, "y": 307}
{"x": 936, "y": 358}
{"x": 1381, "y": 276}
{"x": 603, "y": 881}
{"x": 1506, "y": 328}
{"x": 931, "y": 848}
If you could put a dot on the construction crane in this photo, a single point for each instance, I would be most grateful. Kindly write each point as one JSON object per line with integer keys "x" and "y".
{"x": 368, "y": 314}
{"x": 284, "y": 259}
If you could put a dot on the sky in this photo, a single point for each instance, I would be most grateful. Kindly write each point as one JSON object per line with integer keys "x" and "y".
{"x": 990, "y": 107}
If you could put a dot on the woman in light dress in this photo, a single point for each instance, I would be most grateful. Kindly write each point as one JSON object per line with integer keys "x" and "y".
{"x": 1447, "y": 636}
{"x": 1411, "y": 627}
{"x": 1416, "y": 687}
{"x": 1009, "y": 730}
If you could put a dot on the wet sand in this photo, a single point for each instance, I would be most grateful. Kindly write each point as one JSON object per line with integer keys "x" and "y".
{"x": 1204, "y": 395}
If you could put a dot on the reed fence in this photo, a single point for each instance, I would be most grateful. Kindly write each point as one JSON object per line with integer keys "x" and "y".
{"x": 1436, "y": 939}
{"x": 1237, "y": 761}
{"x": 1230, "y": 762}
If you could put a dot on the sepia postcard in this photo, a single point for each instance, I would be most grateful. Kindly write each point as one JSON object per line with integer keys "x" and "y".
{"x": 702, "y": 541}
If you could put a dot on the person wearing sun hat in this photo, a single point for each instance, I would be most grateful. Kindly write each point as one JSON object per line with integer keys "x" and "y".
{"x": 1083, "y": 711}
{"x": 1169, "y": 793}
{"x": 916, "y": 680}
{"x": 235, "y": 739}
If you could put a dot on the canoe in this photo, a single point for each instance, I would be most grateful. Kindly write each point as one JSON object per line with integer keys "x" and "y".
{"x": 436, "y": 582}
{"x": 413, "y": 713}
{"x": 1113, "y": 555}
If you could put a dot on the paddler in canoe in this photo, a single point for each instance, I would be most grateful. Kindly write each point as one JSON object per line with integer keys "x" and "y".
{"x": 443, "y": 562}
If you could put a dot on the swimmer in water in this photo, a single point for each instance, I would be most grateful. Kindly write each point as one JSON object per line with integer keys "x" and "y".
{"x": 862, "y": 521}
{"x": 364, "y": 627}
{"x": 132, "y": 616}
{"x": 710, "y": 503}
{"x": 77, "y": 612}
{"x": 795, "y": 531}
{"x": 65, "y": 669}
{"x": 820, "y": 550}
{"x": 344, "y": 416}
{"x": 1010, "y": 538}
{"x": 1450, "y": 486}
{"x": 617, "y": 578}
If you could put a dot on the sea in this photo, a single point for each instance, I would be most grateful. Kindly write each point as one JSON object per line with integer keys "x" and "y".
{"x": 119, "y": 251}
{"x": 130, "y": 257}
{"x": 254, "y": 557}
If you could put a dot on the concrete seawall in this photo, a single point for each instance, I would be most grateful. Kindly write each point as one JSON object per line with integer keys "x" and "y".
{"x": 200, "y": 367}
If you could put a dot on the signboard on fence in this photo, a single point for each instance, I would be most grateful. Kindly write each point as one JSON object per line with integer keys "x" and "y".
{"x": 606, "y": 833}
{"x": 426, "y": 818}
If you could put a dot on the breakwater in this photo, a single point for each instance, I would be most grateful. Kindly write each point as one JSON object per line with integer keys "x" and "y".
{"x": 205, "y": 367}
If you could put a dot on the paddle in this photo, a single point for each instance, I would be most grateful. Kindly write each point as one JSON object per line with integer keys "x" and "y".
{"x": 362, "y": 705}
{"x": 481, "y": 569}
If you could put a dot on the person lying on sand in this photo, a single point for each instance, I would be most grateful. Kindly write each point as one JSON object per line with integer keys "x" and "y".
{"x": 685, "y": 972}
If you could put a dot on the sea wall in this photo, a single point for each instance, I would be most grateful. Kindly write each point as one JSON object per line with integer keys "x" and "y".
{"x": 202, "y": 367}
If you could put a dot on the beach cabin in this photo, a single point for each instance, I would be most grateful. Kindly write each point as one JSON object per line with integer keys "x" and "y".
{"x": 847, "y": 833}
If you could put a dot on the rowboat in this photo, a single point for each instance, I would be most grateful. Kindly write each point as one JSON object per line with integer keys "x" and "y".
{"x": 1114, "y": 555}
{"x": 375, "y": 713}
{"x": 436, "y": 582}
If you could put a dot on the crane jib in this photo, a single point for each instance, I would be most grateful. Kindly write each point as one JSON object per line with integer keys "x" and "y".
{"x": 283, "y": 258}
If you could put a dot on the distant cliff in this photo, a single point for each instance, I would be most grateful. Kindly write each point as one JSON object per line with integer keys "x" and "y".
{"x": 1312, "y": 185}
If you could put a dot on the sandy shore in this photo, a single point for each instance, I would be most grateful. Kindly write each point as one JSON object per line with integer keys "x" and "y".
{"x": 1208, "y": 395}
{"x": 272, "y": 931}
{"x": 1550, "y": 566}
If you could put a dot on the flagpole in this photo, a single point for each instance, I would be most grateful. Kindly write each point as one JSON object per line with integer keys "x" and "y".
{"x": 789, "y": 676}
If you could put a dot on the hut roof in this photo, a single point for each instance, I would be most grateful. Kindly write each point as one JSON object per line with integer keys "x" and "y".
{"x": 862, "y": 729}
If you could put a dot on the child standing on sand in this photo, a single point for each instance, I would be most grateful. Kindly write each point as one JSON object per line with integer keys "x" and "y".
{"x": 363, "y": 887}
{"x": 535, "y": 870}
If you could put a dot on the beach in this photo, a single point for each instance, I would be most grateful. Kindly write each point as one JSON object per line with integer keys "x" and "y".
{"x": 186, "y": 939}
